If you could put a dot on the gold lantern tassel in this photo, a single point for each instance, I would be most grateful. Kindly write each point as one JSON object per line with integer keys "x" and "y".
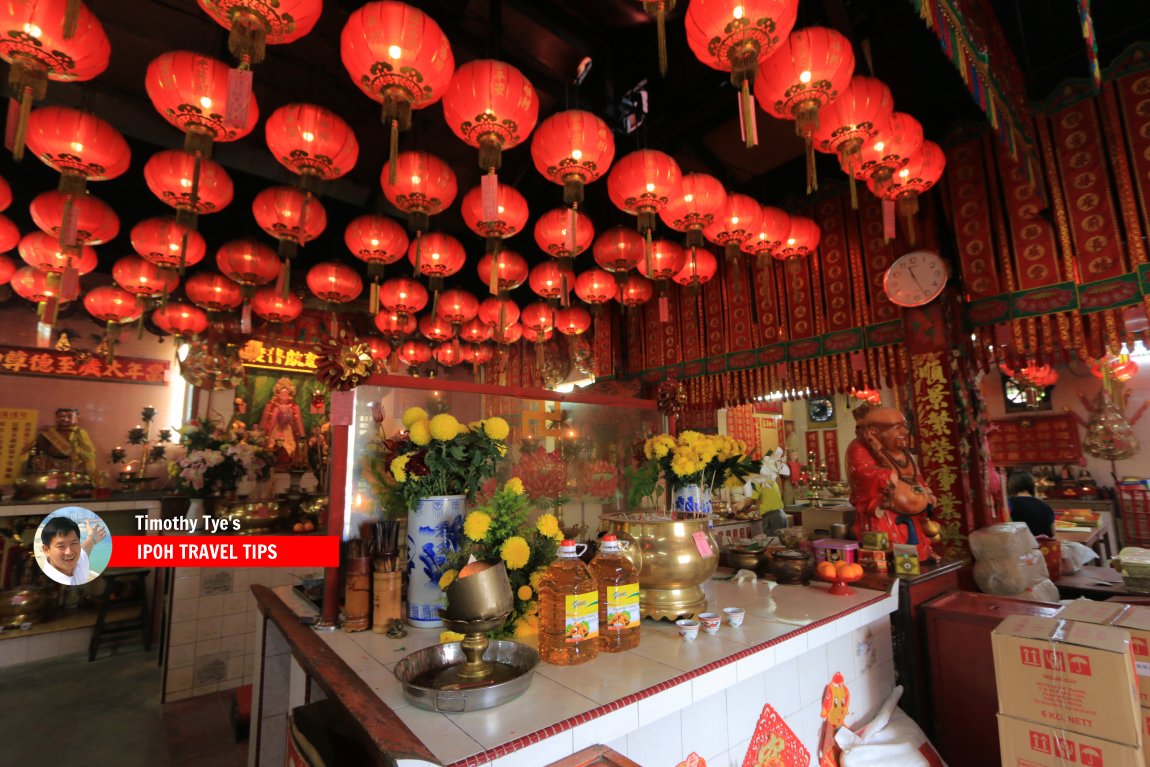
{"x": 418, "y": 252}
{"x": 373, "y": 298}
{"x": 71, "y": 18}
{"x": 908, "y": 206}
{"x": 747, "y": 110}
{"x": 493, "y": 278}
{"x": 648, "y": 252}
{"x": 285, "y": 278}
{"x": 392, "y": 151}
{"x": 812, "y": 174}
{"x": 661, "y": 26}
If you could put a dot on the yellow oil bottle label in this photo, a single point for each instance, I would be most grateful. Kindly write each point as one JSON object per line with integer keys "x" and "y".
{"x": 582, "y": 617}
{"x": 622, "y": 607}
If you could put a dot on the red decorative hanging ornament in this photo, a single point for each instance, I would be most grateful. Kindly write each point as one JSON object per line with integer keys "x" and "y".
{"x": 399, "y": 57}
{"x": 435, "y": 328}
{"x": 659, "y": 9}
{"x": 477, "y": 354}
{"x": 1033, "y": 379}
{"x": 635, "y": 291}
{"x": 619, "y": 250}
{"x": 506, "y": 219}
{"x": 213, "y": 292}
{"x": 698, "y": 201}
{"x": 166, "y": 243}
{"x": 572, "y": 321}
{"x": 179, "y": 319}
{"x": 921, "y": 172}
{"x": 642, "y": 184}
{"x": 292, "y": 217}
{"x": 436, "y": 256}
{"x": 457, "y": 306}
{"x": 595, "y": 287}
{"x": 509, "y": 335}
{"x": 573, "y": 148}
{"x": 475, "y": 331}
{"x": 254, "y": 24}
{"x": 735, "y": 36}
{"x": 143, "y": 278}
{"x": 550, "y": 281}
{"x": 59, "y": 40}
{"x": 193, "y": 187}
{"x": 538, "y": 321}
{"x": 313, "y": 142}
{"x": 738, "y": 222}
{"x": 414, "y": 353}
{"x": 1117, "y": 367}
{"x": 698, "y": 269}
{"x": 802, "y": 239}
{"x": 860, "y": 113}
{"x": 334, "y": 283}
{"x": 403, "y": 297}
{"x": 61, "y": 267}
{"x": 8, "y": 267}
{"x": 395, "y": 325}
{"x": 423, "y": 187}
{"x": 34, "y": 285}
{"x": 9, "y": 235}
{"x": 90, "y": 221}
{"x": 273, "y": 306}
{"x": 889, "y": 151}
{"x": 507, "y": 270}
{"x": 251, "y": 264}
{"x": 113, "y": 307}
{"x": 377, "y": 241}
{"x": 499, "y": 313}
{"x": 667, "y": 260}
{"x": 774, "y": 227}
{"x": 563, "y": 234}
{"x": 449, "y": 354}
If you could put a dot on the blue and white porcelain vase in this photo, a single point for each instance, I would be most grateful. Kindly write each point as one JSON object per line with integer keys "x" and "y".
{"x": 692, "y": 499}
{"x": 434, "y": 532}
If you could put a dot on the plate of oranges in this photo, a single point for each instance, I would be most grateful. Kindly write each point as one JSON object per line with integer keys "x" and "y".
{"x": 839, "y": 574}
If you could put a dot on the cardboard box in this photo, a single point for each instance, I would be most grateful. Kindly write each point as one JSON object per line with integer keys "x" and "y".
{"x": 835, "y": 550}
{"x": 878, "y": 561}
{"x": 1027, "y": 744}
{"x": 876, "y": 540}
{"x": 1134, "y": 619}
{"x": 1070, "y": 675}
{"x": 905, "y": 559}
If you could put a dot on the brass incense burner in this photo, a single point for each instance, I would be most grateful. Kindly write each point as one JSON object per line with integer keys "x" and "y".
{"x": 476, "y": 604}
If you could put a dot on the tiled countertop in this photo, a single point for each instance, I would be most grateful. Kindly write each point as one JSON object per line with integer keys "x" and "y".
{"x": 616, "y": 693}
{"x": 36, "y": 508}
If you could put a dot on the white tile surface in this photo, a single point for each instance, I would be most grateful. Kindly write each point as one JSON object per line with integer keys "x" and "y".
{"x": 439, "y": 733}
{"x": 661, "y": 705}
{"x": 659, "y": 743}
{"x": 813, "y": 675}
{"x": 782, "y": 683}
{"x": 744, "y": 703}
{"x": 612, "y": 725}
{"x": 548, "y": 703}
{"x": 706, "y": 732}
{"x": 754, "y": 665}
{"x": 616, "y": 675}
{"x": 712, "y": 683}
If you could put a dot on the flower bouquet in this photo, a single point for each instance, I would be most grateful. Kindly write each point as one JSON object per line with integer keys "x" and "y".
{"x": 212, "y": 462}
{"x": 499, "y": 530}
{"x": 694, "y": 464}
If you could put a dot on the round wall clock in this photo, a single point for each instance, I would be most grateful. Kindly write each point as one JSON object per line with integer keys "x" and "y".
{"x": 916, "y": 278}
{"x": 820, "y": 409}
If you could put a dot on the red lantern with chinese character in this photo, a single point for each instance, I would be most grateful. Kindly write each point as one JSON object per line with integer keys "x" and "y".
{"x": 476, "y": 331}
{"x": 403, "y": 296}
{"x": 774, "y": 227}
{"x": 738, "y": 223}
{"x": 538, "y": 321}
{"x": 79, "y": 146}
{"x": 457, "y": 307}
{"x": 7, "y": 269}
{"x": 572, "y": 321}
{"x": 573, "y": 148}
{"x": 806, "y": 74}
{"x": 735, "y": 36}
{"x": 509, "y": 335}
{"x": 273, "y": 306}
{"x": 9, "y": 234}
{"x": 436, "y": 256}
{"x": 550, "y": 281}
{"x": 248, "y": 262}
{"x": 377, "y": 241}
{"x": 143, "y": 278}
{"x": 490, "y": 105}
{"x": 93, "y": 222}
{"x": 477, "y": 354}
{"x": 334, "y": 282}
{"x": 642, "y": 184}
{"x": 595, "y": 287}
{"x": 699, "y": 200}
{"x": 42, "y": 251}
{"x": 293, "y": 217}
{"x": 413, "y": 353}
{"x": 213, "y": 292}
{"x": 635, "y": 291}
{"x": 564, "y": 233}
{"x": 180, "y": 319}
{"x": 618, "y": 250}
{"x": 507, "y": 269}
{"x": 889, "y": 151}
{"x": 921, "y": 172}
{"x": 165, "y": 243}
{"x": 435, "y": 328}
{"x": 498, "y": 312}
{"x": 399, "y": 57}
{"x": 862, "y": 111}
{"x": 59, "y": 40}
{"x": 171, "y": 174}
{"x": 394, "y": 324}
{"x": 802, "y": 239}
{"x": 254, "y": 25}
{"x": 313, "y": 142}
{"x": 423, "y": 186}
{"x": 494, "y": 217}
{"x": 32, "y": 284}
{"x": 698, "y": 269}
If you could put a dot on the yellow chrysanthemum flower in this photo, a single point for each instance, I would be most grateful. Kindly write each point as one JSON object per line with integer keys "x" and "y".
{"x": 658, "y": 446}
{"x": 446, "y": 637}
{"x": 515, "y": 552}
{"x": 446, "y": 580}
{"x": 548, "y": 525}
{"x": 444, "y": 426}
{"x": 496, "y": 428}
{"x": 476, "y": 525}
{"x": 527, "y": 627}
{"x": 413, "y": 414}
{"x": 501, "y": 449}
{"x": 732, "y": 482}
{"x": 524, "y": 593}
{"x": 536, "y": 578}
{"x": 515, "y": 485}
{"x": 420, "y": 432}
{"x": 475, "y": 425}
{"x": 464, "y": 429}
{"x": 532, "y": 608}
{"x": 685, "y": 461}
{"x": 399, "y": 467}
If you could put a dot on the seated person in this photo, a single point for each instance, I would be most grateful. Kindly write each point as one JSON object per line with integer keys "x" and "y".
{"x": 1024, "y": 507}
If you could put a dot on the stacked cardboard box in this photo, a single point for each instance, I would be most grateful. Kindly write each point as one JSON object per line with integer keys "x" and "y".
{"x": 875, "y": 552}
{"x": 1067, "y": 694}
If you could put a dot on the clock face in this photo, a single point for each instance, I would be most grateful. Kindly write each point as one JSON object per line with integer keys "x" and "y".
{"x": 916, "y": 278}
{"x": 820, "y": 409}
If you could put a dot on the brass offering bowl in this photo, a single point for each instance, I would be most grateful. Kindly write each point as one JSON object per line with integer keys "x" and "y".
{"x": 748, "y": 558}
{"x": 255, "y": 517}
{"x": 24, "y": 605}
{"x": 792, "y": 567}
{"x": 670, "y": 563}
{"x": 481, "y": 596}
{"x": 52, "y": 485}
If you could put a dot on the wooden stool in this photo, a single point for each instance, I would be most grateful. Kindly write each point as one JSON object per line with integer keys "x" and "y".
{"x": 123, "y": 587}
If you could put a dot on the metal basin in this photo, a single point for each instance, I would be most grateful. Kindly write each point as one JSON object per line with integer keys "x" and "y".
{"x": 254, "y": 516}
{"x": 425, "y": 664}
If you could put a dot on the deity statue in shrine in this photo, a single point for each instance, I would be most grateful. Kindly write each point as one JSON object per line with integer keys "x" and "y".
{"x": 888, "y": 490}
{"x": 64, "y": 446}
{"x": 282, "y": 419}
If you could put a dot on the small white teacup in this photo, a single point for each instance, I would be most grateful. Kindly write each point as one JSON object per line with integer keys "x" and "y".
{"x": 688, "y": 629}
{"x": 711, "y": 622}
{"x": 734, "y": 615}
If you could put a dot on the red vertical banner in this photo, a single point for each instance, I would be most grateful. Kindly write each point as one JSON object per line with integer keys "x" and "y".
{"x": 652, "y": 334}
{"x": 1083, "y": 172}
{"x": 938, "y": 438}
{"x": 714, "y": 323}
{"x": 672, "y": 345}
{"x": 741, "y": 424}
{"x": 633, "y": 322}
{"x": 1134, "y": 98}
{"x": 1036, "y": 256}
{"x": 878, "y": 255}
{"x": 796, "y": 284}
{"x": 966, "y": 181}
{"x": 812, "y": 449}
{"x": 742, "y": 333}
{"x": 690, "y": 330}
{"x": 763, "y": 270}
{"x": 831, "y": 455}
{"x": 604, "y": 342}
{"x": 835, "y": 265}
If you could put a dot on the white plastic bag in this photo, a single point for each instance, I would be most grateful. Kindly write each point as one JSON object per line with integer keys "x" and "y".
{"x": 1074, "y": 556}
{"x": 1009, "y": 539}
{"x": 891, "y": 738}
{"x": 1010, "y": 575}
{"x": 1043, "y": 591}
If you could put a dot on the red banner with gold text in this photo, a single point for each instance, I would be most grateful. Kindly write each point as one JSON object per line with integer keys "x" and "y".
{"x": 966, "y": 180}
{"x": 16, "y": 360}
{"x": 1036, "y": 255}
{"x": 835, "y": 267}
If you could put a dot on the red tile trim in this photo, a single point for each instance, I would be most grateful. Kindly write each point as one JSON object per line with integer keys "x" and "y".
{"x": 485, "y": 757}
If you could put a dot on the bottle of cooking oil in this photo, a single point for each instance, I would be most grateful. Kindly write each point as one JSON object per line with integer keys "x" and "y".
{"x": 568, "y": 610}
{"x": 618, "y": 596}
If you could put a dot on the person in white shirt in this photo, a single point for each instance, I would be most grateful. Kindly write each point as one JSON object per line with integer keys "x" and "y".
{"x": 65, "y": 558}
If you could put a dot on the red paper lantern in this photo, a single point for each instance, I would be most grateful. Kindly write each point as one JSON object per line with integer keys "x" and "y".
{"x": 922, "y": 171}
{"x": 738, "y": 223}
{"x": 422, "y": 186}
{"x": 699, "y": 269}
{"x": 111, "y": 304}
{"x": 59, "y": 40}
{"x": 213, "y": 292}
{"x": 171, "y": 175}
{"x": 457, "y": 307}
{"x": 412, "y": 353}
{"x": 595, "y": 287}
{"x": 635, "y": 291}
{"x": 311, "y": 141}
{"x": 399, "y": 57}
{"x": 539, "y": 317}
{"x": 573, "y": 148}
{"x": 534, "y": 336}
{"x": 165, "y": 243}
{"x": 862, "y": 111}
{"x": 435, "y": 328}
{"x": 572, "y": 321}
{"x": 143, "y": 278}
{"x": 79, "y": 146}
{"x": 274, "y": 306}
{"x": 774, "y": 227}
{"x": 379, "y": 349}
{"x": 889, "y": 151}
{"x": 8, "y": 268}
{"x": 802, "y": 239}
{"x": 735, "y": 36}
{"x": 476, "y": 330}
{"x": 253, "y": 25}
{"x": 642, "y": 184}
{"x": 9, "y": 234}
{"x": 506, "y": 219}
{"x": 558, "y": 238}
{"x": 395, "y": 324}
{"x": 498, "y": 312}
{"x": 376, "y": 240}
{"x": 667, "y": 259}
{"x": 32, "y": 284}
{"x": 289, "y": 215}
{"x": 510, "y": 270}
{"x": 436, "y": 255}
{"x": 1113, "y": 366}
{"x": 509, "y": 335}
{"x": 699, "y": 200}
{"x": 43, "y": 252}
{"x": 248, "y": 262}
{"x": 5, "y": 195}
{"x": 490, "y": 105}
{"x": 618, "y": 249}
{"x": 402, "y": 295}
{"x": 477, "y": 354}
{"x": 180, "y": 319}
{"x": 449, "y": 354}
{"x": 334, "y": 282}
{"x": 550, "y": 281}
{"x": 190, "y": 91}
{"x": 95, "y": 221}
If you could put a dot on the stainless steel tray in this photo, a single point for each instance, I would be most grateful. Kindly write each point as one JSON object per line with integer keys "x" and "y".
{"x": 519, "y": 657}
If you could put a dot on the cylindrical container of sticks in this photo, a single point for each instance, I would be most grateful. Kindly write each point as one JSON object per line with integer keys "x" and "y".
{"x": 387, "y": 598}
{"x": 357, "y": 594}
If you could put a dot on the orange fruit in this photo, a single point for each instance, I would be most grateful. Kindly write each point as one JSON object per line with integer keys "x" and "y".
{"x": 826, "y": 570}
{"x": 840, "y": 564}
{"x": 297, "y": 527}
{"x": 852, "y": 570}
{"x": 308, "y": 527}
